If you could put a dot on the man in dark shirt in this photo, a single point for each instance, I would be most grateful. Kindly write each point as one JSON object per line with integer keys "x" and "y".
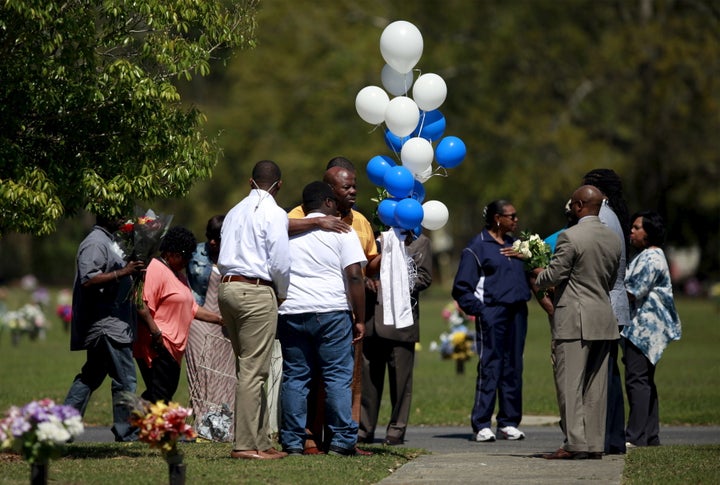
{"x": 104, "y": 323}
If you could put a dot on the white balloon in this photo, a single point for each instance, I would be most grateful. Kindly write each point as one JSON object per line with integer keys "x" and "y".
{"x": 429, "y": 91}
{"x": 401, "y": 45}
{"x": 402, "y": 116}
{"x": 423, "y": 176}
{"x": 417, "y": 155}
{"x": 396, "y": 83}
{"x": 371, "y": 103}
{"x": 435, "y": 215}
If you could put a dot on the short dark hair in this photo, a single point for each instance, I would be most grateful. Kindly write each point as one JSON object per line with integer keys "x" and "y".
{"x": 654, "y": 226}
{"x": 493, "y": 208}
{"x": 340, "y": 162}
{"x": 178, "y": 240}
{"x": 214, "y": 225}
{"x": 265, "y": 173}
{"x": 315, "y": 193}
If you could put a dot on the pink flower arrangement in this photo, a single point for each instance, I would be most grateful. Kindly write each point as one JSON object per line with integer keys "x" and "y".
{"x": 162, "y": 426}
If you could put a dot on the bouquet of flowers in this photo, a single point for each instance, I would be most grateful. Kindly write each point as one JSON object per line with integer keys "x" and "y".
{"x": 458, "y": 343}
{"x": 29, "y": 319}
{"x": 39, "y": 430}
{"x": 536, "y": 252}
{"x": 162, "y": 425}
{"x": 139, "y": 239}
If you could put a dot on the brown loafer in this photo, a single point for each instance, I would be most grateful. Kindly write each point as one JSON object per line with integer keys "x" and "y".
{"x": 254, "y": 455}
{"x": 273, "y": 451}
{"x": 563, "y": 454}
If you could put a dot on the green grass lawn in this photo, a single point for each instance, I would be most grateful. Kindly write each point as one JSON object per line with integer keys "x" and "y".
{"x": 688, "y": 376}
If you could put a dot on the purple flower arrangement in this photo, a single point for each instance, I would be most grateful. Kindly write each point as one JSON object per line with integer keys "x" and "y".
{"x": 39, "y": 430}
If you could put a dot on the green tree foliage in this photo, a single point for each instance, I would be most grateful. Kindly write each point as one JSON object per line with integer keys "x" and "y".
{"x": 89, "y": 115}
{"x": 540, "y": 91}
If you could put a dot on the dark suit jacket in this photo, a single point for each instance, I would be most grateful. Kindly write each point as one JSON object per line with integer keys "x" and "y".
{"x": 421, "y": 252}
{"x": 583, "y": 270}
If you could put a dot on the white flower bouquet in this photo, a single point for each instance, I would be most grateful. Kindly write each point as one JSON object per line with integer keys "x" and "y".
{"x": 535, "y": 252}
{"x": 39, "y": 430}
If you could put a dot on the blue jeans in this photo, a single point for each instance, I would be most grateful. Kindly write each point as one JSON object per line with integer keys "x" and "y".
{"x": 107, "y": 358}
{"x": 317, "y": 342}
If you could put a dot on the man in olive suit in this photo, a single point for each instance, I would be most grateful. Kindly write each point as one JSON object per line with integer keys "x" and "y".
{"x": 582, "y": 271}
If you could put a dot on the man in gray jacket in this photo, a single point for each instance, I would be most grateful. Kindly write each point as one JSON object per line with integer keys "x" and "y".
{"x": 582, "y": 271}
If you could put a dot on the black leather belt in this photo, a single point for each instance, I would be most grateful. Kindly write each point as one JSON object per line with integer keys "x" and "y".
{"x": 243, "y": 279}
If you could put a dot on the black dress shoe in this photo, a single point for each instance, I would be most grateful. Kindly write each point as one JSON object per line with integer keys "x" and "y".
{"x": 615, "y": 451}
{"x": 563, "y": 454}
{"x": 393, "y": 441}
{"x": 595, "y": 455}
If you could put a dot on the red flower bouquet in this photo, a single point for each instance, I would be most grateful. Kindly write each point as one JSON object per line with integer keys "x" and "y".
{"x": 139, "y": 239}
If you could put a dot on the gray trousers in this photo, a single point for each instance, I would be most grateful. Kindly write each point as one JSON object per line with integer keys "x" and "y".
{"x": 581, "y": 377}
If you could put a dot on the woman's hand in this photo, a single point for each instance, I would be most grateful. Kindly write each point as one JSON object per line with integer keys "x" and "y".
{"x": 511, "y": 253}
{"x": 208, "y": 316}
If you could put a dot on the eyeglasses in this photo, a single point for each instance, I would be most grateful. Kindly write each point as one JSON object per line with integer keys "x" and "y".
{"x": 513, "y": 216}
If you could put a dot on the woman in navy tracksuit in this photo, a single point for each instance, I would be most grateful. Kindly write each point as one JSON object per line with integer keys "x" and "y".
{"x": 491, "y": 285}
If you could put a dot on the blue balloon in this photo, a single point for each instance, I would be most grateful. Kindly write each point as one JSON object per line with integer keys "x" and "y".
{"x": 418, "y": 191}
{"x": 376, "y": 168}
{"x": 394, "y": 142}
{"x": 418, "y": 230}
{"x": 431, "y": 125}
{"x": 386, "y": 211}
{"x": 450, "y": 152}
{"x": 408, "y": 213}
{"x": 398, "y": 181}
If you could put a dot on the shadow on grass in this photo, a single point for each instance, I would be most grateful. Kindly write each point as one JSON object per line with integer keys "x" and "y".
{"x": 103, "y": 450}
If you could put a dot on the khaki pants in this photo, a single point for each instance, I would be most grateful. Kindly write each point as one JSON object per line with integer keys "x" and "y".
{"x": 250, "y": 314}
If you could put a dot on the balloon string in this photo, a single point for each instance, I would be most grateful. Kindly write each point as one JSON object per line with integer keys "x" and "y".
{"x": 422, "y": 122}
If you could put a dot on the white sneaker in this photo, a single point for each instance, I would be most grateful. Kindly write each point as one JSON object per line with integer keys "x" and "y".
{"x": 510, "y": 433}
{"x": 629, "y": 445}
{"x": 485, "y": 434}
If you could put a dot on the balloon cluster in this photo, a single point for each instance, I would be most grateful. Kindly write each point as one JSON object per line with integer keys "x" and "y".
{"x": 412, "y": 125}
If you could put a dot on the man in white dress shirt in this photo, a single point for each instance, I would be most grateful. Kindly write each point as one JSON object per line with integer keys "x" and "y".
{"x": 255, "y": 267}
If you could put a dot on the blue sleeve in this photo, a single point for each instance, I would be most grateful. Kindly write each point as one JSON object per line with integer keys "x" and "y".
{"x": 466, "y": 281}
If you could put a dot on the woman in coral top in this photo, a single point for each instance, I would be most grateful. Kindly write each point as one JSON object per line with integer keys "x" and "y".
{"x": 169, "y": 308}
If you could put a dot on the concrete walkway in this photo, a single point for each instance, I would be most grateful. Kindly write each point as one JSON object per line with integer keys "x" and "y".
{"x": 455, "y": 459}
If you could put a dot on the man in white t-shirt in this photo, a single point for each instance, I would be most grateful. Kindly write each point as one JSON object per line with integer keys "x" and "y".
{"x": 322, "y": 317}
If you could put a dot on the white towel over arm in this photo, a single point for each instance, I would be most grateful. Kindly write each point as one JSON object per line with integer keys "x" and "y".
{"x": 394, "y": 281}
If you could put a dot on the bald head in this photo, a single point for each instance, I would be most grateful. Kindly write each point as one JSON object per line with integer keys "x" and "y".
{"x": 586, "y": 201}
{"x": 342, "y": 182}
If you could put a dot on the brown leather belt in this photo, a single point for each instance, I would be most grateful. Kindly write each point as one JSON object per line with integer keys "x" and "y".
{"x": 243, "y": 279}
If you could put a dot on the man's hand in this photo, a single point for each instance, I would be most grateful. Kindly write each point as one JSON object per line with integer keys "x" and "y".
{"x": 131, "y": 268}
{"x": 358, "y": 332}
{"x": 372, "y": 284}
{"x": 333, "y": 224}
